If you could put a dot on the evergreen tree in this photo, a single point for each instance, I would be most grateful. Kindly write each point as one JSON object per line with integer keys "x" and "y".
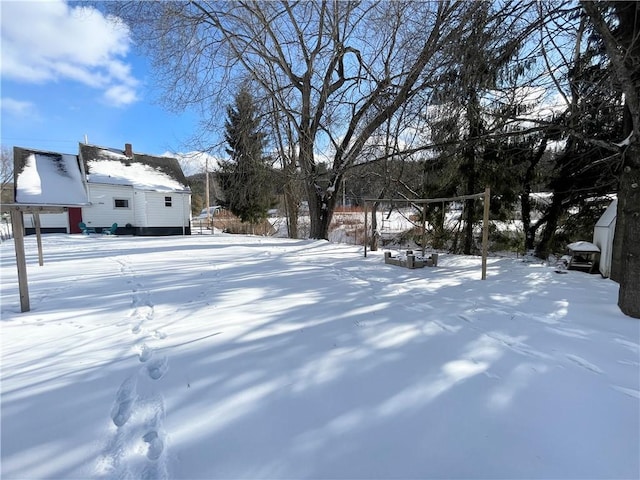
{"x": 586, "y": 166}
{"x": 467, "y": 113}
{"x": 246, "y": 177}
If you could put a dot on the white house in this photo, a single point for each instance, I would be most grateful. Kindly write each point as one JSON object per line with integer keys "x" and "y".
{"x": 143, "y": 194}
{"x": 603, "y": 237}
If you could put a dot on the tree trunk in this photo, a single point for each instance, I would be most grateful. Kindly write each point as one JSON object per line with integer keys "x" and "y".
{"x": 548, "y": 233}
{"x": 617, "y": 255}
{"x": 291, "y": 201}
{"x": 525, "y": 211}
{"x": 525, "y": 199}
{"x": 436, "y": 220}
{"x": 628, "y": 232}
{"x": 375, "y": 235}
{"x": 468, "y": 171}
{"x": 291, "y": 205}
{"x": 469, "y": 167}
{"x": 321, "y": 214}
{"x": 623, "y": 50}
{"x": 468, "y": 227}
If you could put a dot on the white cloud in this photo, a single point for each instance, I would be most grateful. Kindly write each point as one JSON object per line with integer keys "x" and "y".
{"x": 120, "y": 95}
{"x": 18, "y": 108}
{"x": 50, "y": 41}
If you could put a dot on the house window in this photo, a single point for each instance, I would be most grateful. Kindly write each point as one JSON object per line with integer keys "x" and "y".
{"x": 121, "y": 203}
{"x": 167, "y": 201}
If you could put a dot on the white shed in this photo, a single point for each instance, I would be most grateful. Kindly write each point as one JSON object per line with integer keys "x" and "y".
{"x": 603, "y": 237}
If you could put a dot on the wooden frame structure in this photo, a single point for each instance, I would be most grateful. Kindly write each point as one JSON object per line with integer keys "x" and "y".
{"x": 486, "y": 196}
{"x": 17, "y": 210}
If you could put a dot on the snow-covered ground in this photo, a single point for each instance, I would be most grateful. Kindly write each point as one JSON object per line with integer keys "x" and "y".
{"x": 246, "y": 357}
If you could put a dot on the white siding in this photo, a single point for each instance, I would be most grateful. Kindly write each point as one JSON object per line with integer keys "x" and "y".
{"x": 146, "y": 208}
{"x": 48, "y": 220}
{"x": 160, "y": 215}
{"x": 186, "y": 208}
{"x": 102, "y": 212}
{"x": 140, "y": 207}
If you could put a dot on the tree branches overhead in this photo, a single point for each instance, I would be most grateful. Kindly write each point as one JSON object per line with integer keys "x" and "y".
{"x": 457, "y": 79}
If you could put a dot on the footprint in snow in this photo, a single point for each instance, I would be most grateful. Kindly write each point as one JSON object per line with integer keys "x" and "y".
{"x": 144, "y": 353}
{"x": 158, "y": 368}
{"x": 125, "y": 400}
{"x": 153, "y": 437}
{"x": 159, "y": 334}
{"x": 156, "y": 445}
{"x": 154, "y": 471}
{"x": 137, "y": 328}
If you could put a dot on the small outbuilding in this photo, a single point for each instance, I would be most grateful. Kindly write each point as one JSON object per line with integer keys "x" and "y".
{"x": 603, "y": 234}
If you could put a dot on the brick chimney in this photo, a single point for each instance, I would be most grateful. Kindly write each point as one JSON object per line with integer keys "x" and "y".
{"x": 128, "y": 150}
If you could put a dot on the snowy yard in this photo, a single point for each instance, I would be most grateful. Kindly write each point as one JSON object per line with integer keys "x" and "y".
{"x": 247, "y": 357}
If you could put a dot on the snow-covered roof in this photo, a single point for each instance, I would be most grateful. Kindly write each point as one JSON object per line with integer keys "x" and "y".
{"x": 144, "y": 172}
{"x": 48, "y": 178}
{"x": 583, "y": 246}
{"x": 608, "y": 216}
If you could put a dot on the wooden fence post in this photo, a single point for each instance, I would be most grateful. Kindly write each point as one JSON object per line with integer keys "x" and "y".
{"x": 18, "y": 240}
{"x": 36, "y": 222}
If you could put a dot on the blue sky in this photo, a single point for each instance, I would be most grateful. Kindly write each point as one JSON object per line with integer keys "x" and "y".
{"x": 67, "y": 72}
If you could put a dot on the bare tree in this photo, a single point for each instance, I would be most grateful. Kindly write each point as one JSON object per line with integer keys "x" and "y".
{"x": 286, "y": 153}
{"x": 336, "y": 71}
{"x": 6, "y": 174}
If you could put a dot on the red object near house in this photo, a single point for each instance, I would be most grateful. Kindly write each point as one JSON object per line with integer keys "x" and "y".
{"x": 75, "y": 217}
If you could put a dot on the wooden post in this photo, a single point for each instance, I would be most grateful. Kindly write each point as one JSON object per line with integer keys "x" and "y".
{"x": 485, "y": 232}
{"x": 366, "y": 227}
{"x": 18, "y": 240}
{"x": 36, "y": 222}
